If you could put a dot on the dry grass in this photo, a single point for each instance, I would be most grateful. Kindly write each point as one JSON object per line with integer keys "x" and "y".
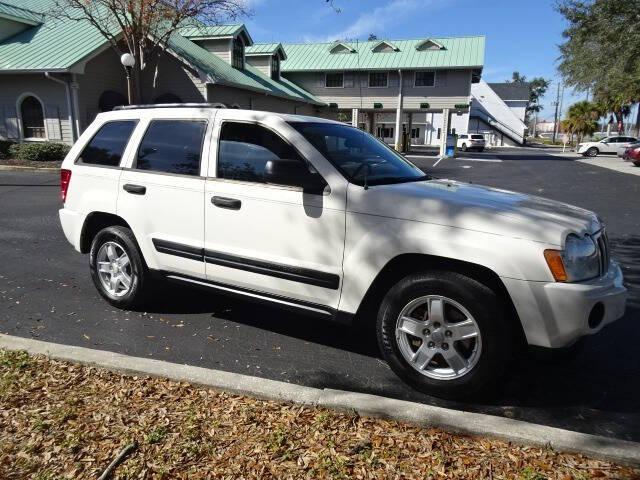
{"x": 59, "y": 420}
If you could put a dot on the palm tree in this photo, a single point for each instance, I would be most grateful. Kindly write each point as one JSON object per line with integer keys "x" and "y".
{"x": 582, "y": 119}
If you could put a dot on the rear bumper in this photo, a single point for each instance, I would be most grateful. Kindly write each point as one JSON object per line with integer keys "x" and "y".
{"x": 71, "y": 226}
{"x": 556, "y": 315}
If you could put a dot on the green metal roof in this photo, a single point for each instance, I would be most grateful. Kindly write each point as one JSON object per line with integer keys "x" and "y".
{"x": 221, "y": 72}
{"x": 56, "y": 45}
{"x": 214, "y": 31}
{"x": 211, "y": 31}
{"x": 458, "y": 52}
{"x": 18, "y": 14}
{"x": 265, "y": 49}
{"x": 60, "y": 44}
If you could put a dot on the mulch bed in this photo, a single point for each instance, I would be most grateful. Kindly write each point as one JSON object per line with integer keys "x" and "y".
{"x": 66, "y": 421}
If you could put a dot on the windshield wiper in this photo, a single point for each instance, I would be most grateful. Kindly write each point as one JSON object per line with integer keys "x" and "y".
{"x": 392, "y": 180}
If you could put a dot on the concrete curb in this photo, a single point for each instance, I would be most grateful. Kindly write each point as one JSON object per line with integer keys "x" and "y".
{"x": 20, "y": 168}
{"x": 366, "y": 405}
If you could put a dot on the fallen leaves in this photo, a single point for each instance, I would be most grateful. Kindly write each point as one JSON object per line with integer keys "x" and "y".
{"x": 60, "y": 420}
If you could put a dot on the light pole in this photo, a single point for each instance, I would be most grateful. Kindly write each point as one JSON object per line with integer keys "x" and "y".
{"x": 128, "y": 61}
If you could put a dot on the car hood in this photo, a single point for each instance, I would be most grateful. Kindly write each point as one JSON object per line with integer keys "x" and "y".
{"x": 475, "y": 207}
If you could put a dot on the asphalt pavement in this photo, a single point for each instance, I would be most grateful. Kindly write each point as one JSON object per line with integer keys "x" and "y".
{"x": 46, "y": 293}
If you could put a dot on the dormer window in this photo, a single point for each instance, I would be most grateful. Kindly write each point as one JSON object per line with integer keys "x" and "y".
{"x": 237, "y": 60}
{"x": 429, "y": 45}
{"x": 341, "y": 48}
{"x": 275, "y": 67}
{"x": 384, "y": 47}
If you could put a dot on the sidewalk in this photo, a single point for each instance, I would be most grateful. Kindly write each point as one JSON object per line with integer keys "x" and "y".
{"x": 63, "y": 420}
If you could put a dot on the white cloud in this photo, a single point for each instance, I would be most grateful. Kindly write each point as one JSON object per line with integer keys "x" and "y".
{"x": 381, "y": 18}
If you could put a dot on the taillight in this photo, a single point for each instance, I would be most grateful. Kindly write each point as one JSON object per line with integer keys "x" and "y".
{"x": 65, "y": 179}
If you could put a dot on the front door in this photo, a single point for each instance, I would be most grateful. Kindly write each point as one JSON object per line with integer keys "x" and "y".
{"x": 271, "y": 239}
{"x": 161, "y": 192}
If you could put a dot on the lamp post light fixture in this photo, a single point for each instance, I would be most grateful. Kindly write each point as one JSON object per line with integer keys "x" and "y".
{"x": 128, "y": 61}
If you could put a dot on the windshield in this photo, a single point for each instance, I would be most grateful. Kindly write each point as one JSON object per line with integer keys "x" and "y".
{"x": 359, "y": 156}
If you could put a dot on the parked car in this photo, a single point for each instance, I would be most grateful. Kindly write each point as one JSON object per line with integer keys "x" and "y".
{"x": 320, "y": 217}
{"x": 632, "y": 154}
{"x": 606, "y": 145}
{"x": 471, "y": 141}
{"x": 623, "y": 151}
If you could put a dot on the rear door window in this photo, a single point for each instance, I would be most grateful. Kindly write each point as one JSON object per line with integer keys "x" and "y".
{"x": 172, "y": 146}
{"x": 107, "y": 146}
{"x": 477, "y": 137}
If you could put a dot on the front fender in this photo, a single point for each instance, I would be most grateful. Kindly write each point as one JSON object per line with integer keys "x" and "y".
{"x": 373, "y": 241}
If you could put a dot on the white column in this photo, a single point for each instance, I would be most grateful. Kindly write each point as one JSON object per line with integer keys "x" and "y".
{"x": 409, "y": 127}
{"x": 355, "y": 114}
{"x": 446, "y": 121}
{"x": 398, "y": 138}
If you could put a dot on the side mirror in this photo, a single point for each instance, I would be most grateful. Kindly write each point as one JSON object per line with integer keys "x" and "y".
{"x": 293, "y": 173}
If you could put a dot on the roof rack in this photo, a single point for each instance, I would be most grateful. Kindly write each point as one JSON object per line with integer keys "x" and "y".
{"x": 168, "y": 105}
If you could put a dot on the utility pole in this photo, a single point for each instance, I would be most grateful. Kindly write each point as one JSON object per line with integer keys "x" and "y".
{"x": 555, "y": 116}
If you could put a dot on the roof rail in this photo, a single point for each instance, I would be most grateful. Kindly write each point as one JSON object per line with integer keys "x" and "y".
{"x": 168, "y": 105}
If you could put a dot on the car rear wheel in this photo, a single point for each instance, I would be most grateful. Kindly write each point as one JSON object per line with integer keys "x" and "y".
{"x": 592, "y": 152}
{"x": 117, "y": 268}
{"x": 445, "y": 334}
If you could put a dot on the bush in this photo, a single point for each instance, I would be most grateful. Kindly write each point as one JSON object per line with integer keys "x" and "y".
{"x": 39, "y": 152}
{"x": 4, "y": 147}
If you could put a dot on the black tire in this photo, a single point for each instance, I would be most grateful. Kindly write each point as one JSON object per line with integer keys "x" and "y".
{"x": 496, "y": 331}
{"x": 481, "y": 149}
{"x": 139, "y": 274}
{"x": 463, "y": 147}
{"x": 591, "y": 152}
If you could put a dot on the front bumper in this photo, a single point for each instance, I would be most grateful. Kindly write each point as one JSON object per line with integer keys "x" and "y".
{"x": 556, "y": 314}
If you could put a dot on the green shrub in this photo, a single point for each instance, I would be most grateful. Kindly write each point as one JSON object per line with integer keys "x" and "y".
{"x": 4, "y": 147}
{"x": 39, "y": 152}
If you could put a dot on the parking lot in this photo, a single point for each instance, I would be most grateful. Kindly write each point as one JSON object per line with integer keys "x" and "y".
{"x": 46, "y": 293}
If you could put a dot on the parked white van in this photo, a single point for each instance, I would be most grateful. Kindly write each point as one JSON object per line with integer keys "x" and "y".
{"x": 321, "y": 217}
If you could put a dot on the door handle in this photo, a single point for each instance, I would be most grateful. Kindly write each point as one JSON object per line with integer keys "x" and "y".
{"x": 224, "y": 202}
{"x": 134, "y": 189}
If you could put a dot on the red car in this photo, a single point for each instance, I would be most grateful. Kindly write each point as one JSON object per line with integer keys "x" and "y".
{"x": 632, "y": 154}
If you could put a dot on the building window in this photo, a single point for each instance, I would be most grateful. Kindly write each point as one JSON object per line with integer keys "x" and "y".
{"x": 384, "y": 132}
{"x": 378, "y": 79}
{"x": 415, "y": 132}
{"x": 275, "y": 67}
{"x": 32, "y": 118}
{"x": 334, "y": 80}
{"x": 238, "y": 54}
{"x": 425, "y": 79}
{"x": 439, "y": 133}
{"x": 181, "y": 154}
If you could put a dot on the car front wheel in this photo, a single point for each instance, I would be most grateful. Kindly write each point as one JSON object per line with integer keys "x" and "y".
{"x": 592, "y": 152}
{"x": 445, "y": 334}
{"x": 464, "y": 147}
{"x": 117, "y": 268}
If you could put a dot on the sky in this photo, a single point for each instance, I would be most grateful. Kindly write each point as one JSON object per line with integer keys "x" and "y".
{"x": 521, "y": 35}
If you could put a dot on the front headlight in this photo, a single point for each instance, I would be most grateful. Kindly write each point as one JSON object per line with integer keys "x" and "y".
{"x": 578, "y": 261}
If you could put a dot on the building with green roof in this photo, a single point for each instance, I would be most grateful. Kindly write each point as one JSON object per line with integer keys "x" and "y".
{"x": 56, "y": 75}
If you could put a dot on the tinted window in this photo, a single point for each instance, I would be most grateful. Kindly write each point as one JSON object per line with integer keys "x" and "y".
{"x": 245, "y": 149}
{"x": 358, "y": 155}
{"x": 107, "y": 146}
{"x": 172, "y": 146}
{"x": 477, "y": 137}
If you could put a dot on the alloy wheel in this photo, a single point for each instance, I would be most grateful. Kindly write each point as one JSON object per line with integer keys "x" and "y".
{"x": 438, "y": 337}
{"x": 114, "y": 269}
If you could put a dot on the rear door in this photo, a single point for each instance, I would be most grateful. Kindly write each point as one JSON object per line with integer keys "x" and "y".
{"x": 162, "y": 189}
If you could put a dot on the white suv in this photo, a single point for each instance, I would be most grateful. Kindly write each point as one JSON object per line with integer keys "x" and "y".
{"x": 321, "y": 217}
{"x": 606, "y": 145}
{"x": 470, "y": 141}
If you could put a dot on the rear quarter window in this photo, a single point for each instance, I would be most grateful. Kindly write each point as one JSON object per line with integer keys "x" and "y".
{"x": 108, "y": 144}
